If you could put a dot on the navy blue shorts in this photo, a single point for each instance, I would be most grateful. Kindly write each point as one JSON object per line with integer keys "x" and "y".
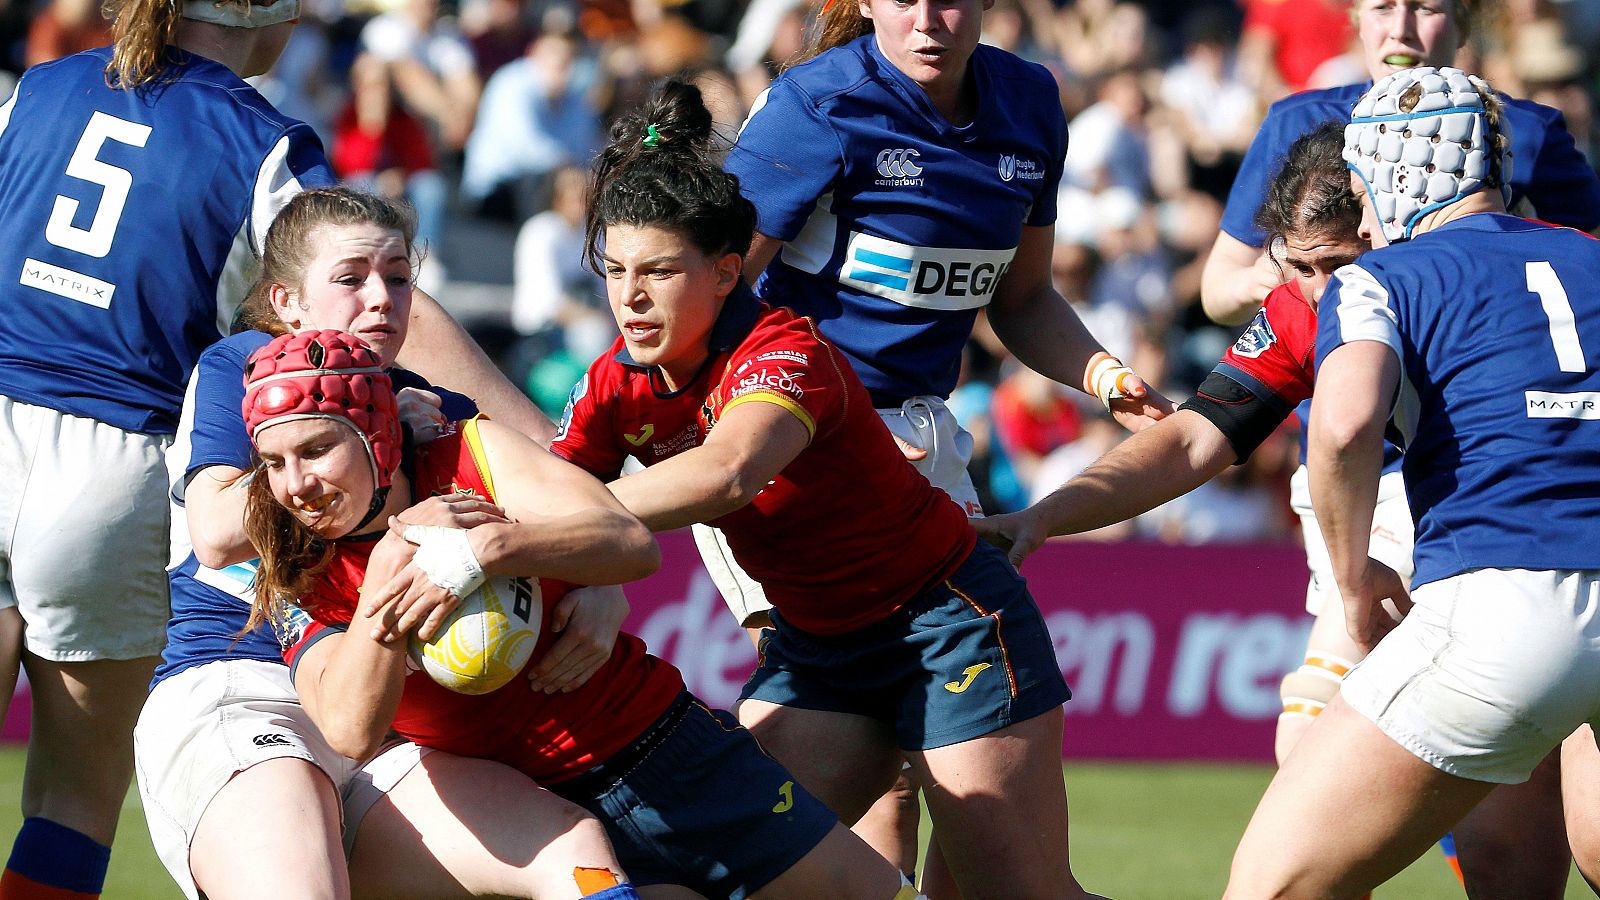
{"x": 966, "y": 657}
{"x": 703, "y": 806}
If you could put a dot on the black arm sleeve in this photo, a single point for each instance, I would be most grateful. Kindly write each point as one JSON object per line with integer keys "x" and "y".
{"x": 1243, "y": 418}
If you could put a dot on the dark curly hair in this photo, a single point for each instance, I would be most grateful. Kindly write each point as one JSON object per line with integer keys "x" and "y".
{"x": 660, "y": 169}
{"x": 1311, "y": 192}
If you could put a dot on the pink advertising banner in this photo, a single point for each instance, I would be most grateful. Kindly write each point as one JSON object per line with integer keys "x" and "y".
{"x": 1173, "y": 653}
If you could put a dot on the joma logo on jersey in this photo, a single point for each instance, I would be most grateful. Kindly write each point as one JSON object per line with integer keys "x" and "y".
{"x": 926, "y": 277}
{"x": 898, "y": 167}
{"x": 1257, "y": 338}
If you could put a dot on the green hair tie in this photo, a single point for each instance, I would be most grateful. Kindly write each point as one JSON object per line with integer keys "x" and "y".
{"x": 652, "y": 137}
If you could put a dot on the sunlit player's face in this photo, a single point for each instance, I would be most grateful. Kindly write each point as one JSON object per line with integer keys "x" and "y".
{"x": 358, "y": 280}
{"x": 1404, "y": 34}
{"x": 319, "y": 470}
{"x": 930, "y": 41}
{"x": 1313, "y": 257}
{"x": 665, "y": 295}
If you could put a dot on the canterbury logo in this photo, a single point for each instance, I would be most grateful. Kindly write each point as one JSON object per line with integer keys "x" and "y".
{"x": 270, "y": 740}
{"x": 643, "y": 435}
{"x": 787, "y": 803}
{"x": 898, "y": 163}
{"x": 969, "y": 673}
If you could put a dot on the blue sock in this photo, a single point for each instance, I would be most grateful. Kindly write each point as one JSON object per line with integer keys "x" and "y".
{"x": 53, "y": 856}
{"x": 622, "y": 891}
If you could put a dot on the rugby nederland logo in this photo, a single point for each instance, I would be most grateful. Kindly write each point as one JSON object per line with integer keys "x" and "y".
{"x": 1008, "y": 166}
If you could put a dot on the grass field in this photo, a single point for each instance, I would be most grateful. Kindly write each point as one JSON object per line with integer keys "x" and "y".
{"x": 1139, "y": 832}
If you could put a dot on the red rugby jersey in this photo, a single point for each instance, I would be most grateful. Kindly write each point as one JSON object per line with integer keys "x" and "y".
{"x": 550, "y": 737}
{"x": 848, "y": 531}
{"x": 1277, "y": 352}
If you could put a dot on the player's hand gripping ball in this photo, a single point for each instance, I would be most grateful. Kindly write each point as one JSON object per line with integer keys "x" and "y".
{"x": 487, "y": 640}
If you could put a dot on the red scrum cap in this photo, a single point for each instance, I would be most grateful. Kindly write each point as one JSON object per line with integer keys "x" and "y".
{"x": 326, "y": 375}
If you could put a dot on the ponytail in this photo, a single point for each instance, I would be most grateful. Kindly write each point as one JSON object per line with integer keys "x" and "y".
{"x": 660, "y": 169}
{"x": 144, "y": 32}
{"x": 839, "y": 23}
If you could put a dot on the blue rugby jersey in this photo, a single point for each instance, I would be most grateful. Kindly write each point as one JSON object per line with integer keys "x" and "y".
{"x": 130, "y": 222}
{"x": 1546, "y": 166}
{"x": 1496, "y": 323}
{"x": 898, "y": 225}
{"x": 210, "y": 606}
{"x": 1547, "y": 169}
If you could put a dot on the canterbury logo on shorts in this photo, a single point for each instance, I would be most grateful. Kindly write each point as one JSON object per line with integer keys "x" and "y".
{"x": 925, "y": 277}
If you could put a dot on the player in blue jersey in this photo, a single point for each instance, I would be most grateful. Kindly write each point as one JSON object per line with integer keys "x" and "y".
{"x": 135, "y": 182}
{"x": 1467, "y": 328}
{"x": 223, "y": 746}
{"x": 1549, "y": 177}
{"x": 904, "y": 178}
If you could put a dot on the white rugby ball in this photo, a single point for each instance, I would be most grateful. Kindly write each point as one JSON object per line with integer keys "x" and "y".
{"x": 487, "y": 640}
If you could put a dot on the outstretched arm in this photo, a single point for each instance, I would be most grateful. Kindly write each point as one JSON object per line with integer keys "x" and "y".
{"x": 1168, "y": 460}
{"x": 1035, "y": 322}
{"x": 564, "y": 524}
{"x": 438, "y": 349}
{"x": 751, "y": 444}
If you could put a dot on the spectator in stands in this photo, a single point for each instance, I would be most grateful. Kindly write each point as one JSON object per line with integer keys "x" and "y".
{"x": 65, "y": 27}
{"x": 380, "y": 147}
{"x": 1285, "y": 42}
{"x": 433, "y": 66}
{"x": 538, "y": 115}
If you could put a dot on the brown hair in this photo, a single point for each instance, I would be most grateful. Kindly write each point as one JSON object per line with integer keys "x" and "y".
{"x": 143, "y": 32}
{"x": 839, "y": 23}
{"x": 292, "y": 556}
{"x": 1311, "y": 193}
{"x": 288, "y": 250}
{"x": 659, "y": 170}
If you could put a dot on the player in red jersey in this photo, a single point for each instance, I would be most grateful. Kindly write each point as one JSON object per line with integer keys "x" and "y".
{"x": 670, "y": 779}
{"x": 894, "y": 631}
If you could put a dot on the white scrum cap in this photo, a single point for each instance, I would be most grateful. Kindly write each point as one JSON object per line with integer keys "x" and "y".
{"x": 234, "y": 14}
{"x": 1420, "y": 139}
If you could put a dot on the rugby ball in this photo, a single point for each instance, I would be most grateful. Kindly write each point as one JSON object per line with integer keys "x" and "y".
{"x": 487, "y": 640}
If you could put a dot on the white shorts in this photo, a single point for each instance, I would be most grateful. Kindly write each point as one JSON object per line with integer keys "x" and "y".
{"x": 923, "y": 422}
{"x": 83, "y": 534}
{"x": 1393, "y": 535}
{"x": 1489, "y": 671}
{"x": 206, "y": 724}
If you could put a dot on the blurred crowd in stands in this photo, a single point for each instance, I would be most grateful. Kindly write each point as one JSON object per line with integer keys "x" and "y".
{"x": 484, "y": 116}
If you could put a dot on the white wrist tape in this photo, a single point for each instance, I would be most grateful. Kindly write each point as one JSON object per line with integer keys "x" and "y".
{"x": 1106, "y": 377}
{"x": 445, "y": 556}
